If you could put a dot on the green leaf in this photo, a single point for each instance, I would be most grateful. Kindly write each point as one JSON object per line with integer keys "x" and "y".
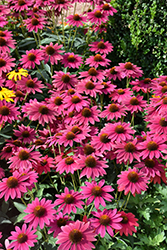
{"x": 20, "y": 207}
{"x": 20, "y": 217}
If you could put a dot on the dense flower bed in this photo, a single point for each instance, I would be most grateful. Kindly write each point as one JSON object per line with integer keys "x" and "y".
{"x": 82, "y": 140}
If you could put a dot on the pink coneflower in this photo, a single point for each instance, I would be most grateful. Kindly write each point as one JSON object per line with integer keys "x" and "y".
{"x": 88, "y": 115}
{"x": 36, "y": 10}
{"x": 113, "y": 74}
{"x": 71, "y": 60}
{"x": 77, "y": 235}
{"x": 97, "y": 192}
{"x": 160, "y": 90}
{"x": 8, "y": 112}
{"x": 23, "y": 238}
{"x": 158, "y": 125}
{"x": 25, "y": 134}
{"x": 92, "y": 74}
{"x": 69, "y": 137}
{"x": 24, "y": 158}
{"x": 91, "y": 166}
{"x": 108, "y": 87}
{"x": 44, "y": 165}
{"x": 119, "y": 131}
{"x": 30, "y": 85}
{"x": 76, "y": 20}
{"x": 89, "y": 88}
{"x": 6, "y": 44}
{"x": 102, "y": 141}
{"x": 144, "y": 85}
{"x": 39, "y": 213}
{"x": 32, "y": 57}
{"x": 129, "y": 69}
{"x": 66, "y": 164}
{"x": 61, "y": 4}
{"x": 32, "y": 177}
{"x": 13, "y": 186}
{"x": 68, "y": 201}
{"x": 2, "y": 173}
{"x": 21, "y": 5}
{"x": 133, "y": 181}
{"x": 127, "y": 151}
{"x": 6, "y": 33}
{"x": 5, "y": 63}
{"x": 101, "y": 47}
{"x": 56, "y": 225}
{"x": 52, "y": 52}
{"x": 108, "y": 9}
{"x": 152, "y": 147}
{"x": 97, "y": 17}
{"x": 113, "y": 111}
{"x": 128, "y": 223}
{"x": 134, "y": 103}
{"x": 6, "y": 152}
{"x": 57, "y": 103}
{"x": 63, "y": 81}
{"x": 4, "y": 10}
{"x": 39, "y": 111}
{"x": 35, "y": 23}
{"x": 3, "y": 21}
{"x": 95, "y": 61}
{"x": 107, "y": 220}
{"x": 75, "y": 102}
{"x": 119, "y": 95}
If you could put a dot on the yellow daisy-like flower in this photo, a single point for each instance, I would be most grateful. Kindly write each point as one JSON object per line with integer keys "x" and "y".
{"x": 17, "y": 73}
{"x": 6, "y": 94}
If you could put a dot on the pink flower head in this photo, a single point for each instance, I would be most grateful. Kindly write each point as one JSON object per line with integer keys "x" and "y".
{"x": 113, "y": 74}
{"x": 52, "y": 52}
{"x": 127, "y": 151}
{"x": 152, "y": 147}
{"x": 66, "y": 164}
{"x": 134, "y": 103}
{"x": 39, "y": 213}
{"x": 107, "y": 220}
{"x": 77, "y": 235}
{"x": 143, "y": 85}
{"x": 71, "y": 60}
{"x": 133, "y": 181}
{"x": 2, "y": 173}
{"x": 21, "y": 5}
{"x": 8, "y": 112}
{"x": 31, "y": 58}
{"x": 44, "y": 165}
{"x": 5, "y": 63}
{"x": 158, "y": 125}
{"x": 129, "y": 69}
{"x": 102, "y": 141}
{"x": 35, "y": 23}
{"x": 113, "y": 111}
{"x": 68, "y": 201}
{"x": 95, "y": 61}
{"x": 76, "y": 20}
{"x": 97, "y": 17}
{"x": 75, "y": 102}
{"x": 101, "y": 47}
{"x": 63, "y": 81}
{"x": 23, "y": 238}
{"x": 6, "y": 44}
{"x": 118, "y": 95}
{"x": 88, "y": 115}
{"x": 108, "y": 87}
{"x": 26, "y": 134}
{"x": 13, "y": 186}
{"x": 89, "y": 88}
{"x": 108, "y": 9}
{"x": 92, "y": 74}
{"x": 128, "y": 223}
{"x": 97, "y": 192}
{"x": 30, "y": 85}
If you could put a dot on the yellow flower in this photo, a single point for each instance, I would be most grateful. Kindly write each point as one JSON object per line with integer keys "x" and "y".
{"x": 17, "y": 73}
{"x": 6, "y": 94}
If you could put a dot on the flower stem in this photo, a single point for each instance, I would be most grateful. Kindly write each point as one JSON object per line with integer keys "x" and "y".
{"x": 90, "y": 210}
{"x": 127, "y": 201}
{"x": 73, "y": 38}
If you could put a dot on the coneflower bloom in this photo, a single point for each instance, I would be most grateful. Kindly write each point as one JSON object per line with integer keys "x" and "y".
{"x": 95, "y": 61}
{"x": 30, "y": 85}
{"x": 61, "y": 4}
{"x": 88, "y": 115}
{"x": 118, "y": 95}
{"x": 113, "y": 111}
{"x": 101, "y": 47}
{"x": 23, "y": 238}
{"x": 108, "y": 87}
{"x": 97, "y": 193}
{"x": 52, "y": 52}
{"x": 133, "y": 181}
{"x": 63, "y": 81}
{"x": 134, "y": 103}
{"x": 69, "y": 137}
{"x": 76, "y": 235}
{"x": 39, "y": 111}
{"x": 158, "y": 125}
{"x": 71, "y": 60}
{"x": 108, "y": 9}
{"x": 6, "y": 44}
{"x": 25, "y": 134}
{"x": 75, "y": 102}
{"x": 23, "y": 159}
{"x": 91, "y": 166}
{"x": 92, "y": 74}
{"x": 76, "y": 20}
{"x": 127, "y": 151}
{"x": 32, "y": 57}
{"x": 152, "y": 147}
{"x": 56, "y": 225}
{"x": 39, "y": 213}
{"x": 8, "y": 112}
{"x": 102, "y": 141}
{"x": 57, "y": 103}
{"x": 3, "y": 21}
{"x": 66, "y": 164}
{"x": 128, "y": 223}
{"x": 89, "y": 88}
{"x": 68, "y": 201}
{"x": 17, "y": 74}
{"x": 5, "y": 63}
{"x": 21, "y": 5}
{"x": 113, "y": 74}
{"x": 97, "y": 17}
{"x": 2, "y": 173}
{"x": 6, "y": 152}
{"x": 119, "y": 131}
{"x": 129, "y": 69}
{"x": 35, "y": 23}
{"x": 44, "y": 165}
{"x": 13, "y": 186}
{"x": 107, "y": 220}
{"x": 6, "y": 33}
{"x": 144, "y": 85}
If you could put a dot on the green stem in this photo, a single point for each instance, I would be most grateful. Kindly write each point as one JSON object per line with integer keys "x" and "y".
{"x": 73, "y": 181}
{"x": 127, "y": 201}
{"x": 23, "y": 201}
{"x": 40, "y": 72}
{"x": 62, "y": 20}
{"x": 73, "y": 38}
{"x": 133, "y": 119}
{"x": 39, "y": 38}
{"x": 75, "y": 6}
{"x": 35, "y": 38}
{"x": 52, "y": 183}
{"x": 127, "y": 82}
{"x": 90, "y": 210}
